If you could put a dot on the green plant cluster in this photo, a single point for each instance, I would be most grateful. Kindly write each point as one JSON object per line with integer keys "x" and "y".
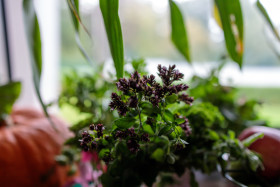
{"x": 143, "y": 141}
{"x": 239, "y": 113}
{"x": 152, "y": 138}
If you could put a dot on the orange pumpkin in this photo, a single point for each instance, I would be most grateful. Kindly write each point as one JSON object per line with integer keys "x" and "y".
{"x": 28, "y": 149}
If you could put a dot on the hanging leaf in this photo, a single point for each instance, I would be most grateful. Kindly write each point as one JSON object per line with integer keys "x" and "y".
{"x": 8, "y": 94}
{"x": 267, "y": 18}
{"x": 33, "y": 37}
{"x": 109, "y": 9}
{"x": 75, "y": 14}
{"x": 178, "y": 32}
{"x": 230, "y": 15}
{"x": 34, "y": 44}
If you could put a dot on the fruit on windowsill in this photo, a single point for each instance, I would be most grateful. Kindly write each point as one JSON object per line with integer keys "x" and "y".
{"x": 28, "y": 145}
{"x": 268, "y": 147}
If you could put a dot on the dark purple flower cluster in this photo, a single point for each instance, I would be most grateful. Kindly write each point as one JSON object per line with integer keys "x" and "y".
{"x": 133, "y": 139}
{"x": 179, "y": 146}
{"x": 186, "y": 127}
{"x": 117, "y": 103}
{"x": 145, "y": 137}
{"x": 150, "y": 121}
{"x": 133, "y": 146}
{"x": 86, "y": 139}
{"x": 98, "y": 128}
{"x": 186, "y": 98}
{"x": 149, "y": 88}
{"x": 168, "y": 76}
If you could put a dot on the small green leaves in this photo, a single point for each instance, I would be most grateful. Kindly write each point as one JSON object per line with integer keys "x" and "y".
{"x": 230, "y": 15}
{"x": 179, "y": 33}
{"x": 8, "y": 94}
{"x": 109, "y": 9}
{"x": 251, "y": 139}
{"x": 125, "y": 122}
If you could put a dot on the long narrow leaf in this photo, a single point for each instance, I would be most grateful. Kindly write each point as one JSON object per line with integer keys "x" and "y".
{"x": 33, "y": 35}
{"x": 109, "y": 9}
{"x": 179, "y": 33}
{"x": 75, "y": 14}
{"x": 267, "y": 18}
{"x": 232, "y": 22}
{"x": 34, "y": 44}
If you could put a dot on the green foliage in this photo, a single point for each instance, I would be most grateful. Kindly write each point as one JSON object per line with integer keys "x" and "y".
{"x": 88, "y": 93}
{"x": 239, "y": 113}
{"x": 231, "y": 17}
{"x": 109, "y": 9}
{"x": 179, "y": 33}
{"x": 210, "y": 149}
{"x": 8, "y": 94}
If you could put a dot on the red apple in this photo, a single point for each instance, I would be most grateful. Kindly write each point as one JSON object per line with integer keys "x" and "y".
{"x": 268, "y": 147}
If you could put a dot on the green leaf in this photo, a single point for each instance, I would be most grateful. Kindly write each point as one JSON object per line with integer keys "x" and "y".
{"x": 148, "y": 129}
{"x": 33, "y": 37}
{"x": 231, "y": 17}
{"x": 180, "y": 120}
{"x": 177, "y": 132}
{"x": 166, "y": 130}
{"x": 62, "y": 160}
{"x": 170, "y": 159}
{"x": 178, "y": 32}
{"x": 254, "y": 161}
{"x": 171, "y": 99}
{"x": 184, "y": 142}
{"x": 109, "y": 9}
{"x": 125, "y": 122}
{"x": 168, "y": 116}
{"x": 32, "y": 31}
{"x": 267, "y": 18}
{"x": 148, "y": 108}
{"x": 75, "y": 14}
{"x": 8, "y": 94}
{"x": 213, "y": 135}
{"x": 251, "y": 139}
{"x": 103, "y": 152}
{"x": 158, "y": 155}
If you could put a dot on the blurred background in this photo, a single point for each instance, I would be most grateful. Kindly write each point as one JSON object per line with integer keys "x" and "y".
{"x": 146, "y": 33}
